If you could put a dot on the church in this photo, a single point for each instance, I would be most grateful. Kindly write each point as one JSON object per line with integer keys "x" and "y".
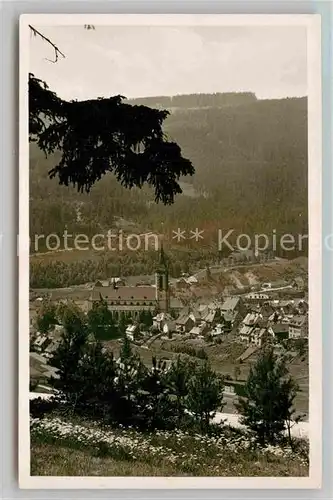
{"x": 134, "y": 299}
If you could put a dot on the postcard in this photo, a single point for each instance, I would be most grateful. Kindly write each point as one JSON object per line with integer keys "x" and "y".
{"x": 169, "y": 251}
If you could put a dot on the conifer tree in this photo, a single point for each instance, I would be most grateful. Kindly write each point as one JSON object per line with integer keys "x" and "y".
{"x": 178, "y": 378}
{"x": 46, "y": 318}
{"x": 157, "y": 409}
{"x": 126, "y": 349}
{"x": 97, "y": 136}
{"x": 269, "y": 395}
{"x": 100, "y": 321}
{"x": 205, "y": 394}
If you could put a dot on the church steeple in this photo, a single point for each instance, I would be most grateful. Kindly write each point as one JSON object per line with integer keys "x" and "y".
{"x": 162, "y": 259}
{"x": 162, "y": 282}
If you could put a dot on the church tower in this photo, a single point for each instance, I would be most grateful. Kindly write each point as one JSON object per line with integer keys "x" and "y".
{"x": 162, "y": 283}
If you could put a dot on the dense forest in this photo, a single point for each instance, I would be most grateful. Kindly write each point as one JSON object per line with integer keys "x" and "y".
{"x": 197, "y": 100}
{"x": 250, "y": 159}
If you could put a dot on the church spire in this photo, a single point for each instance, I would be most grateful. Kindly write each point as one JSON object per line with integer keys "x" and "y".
{"x": 162, "y": 282}
{"x": 162, "y": 260}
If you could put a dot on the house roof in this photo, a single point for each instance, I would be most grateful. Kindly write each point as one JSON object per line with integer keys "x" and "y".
{"x": 230, "y": 316}
{"x": 285, "y": 303}
{"x": 101, "y": 283}
{"x": 197, "y": 330}
{"x": 298, "y": 320}
{"x": 251, "y": 319}
{"x": 191, "y": 280}
{"x": 52, "y": 347}
{"x": 267, "y": 310}
{"x": 209, "y": 318}
{"x": 183, "y": 318}
{"x": 71, "y": 294}
{"x": 38, "y": 357}
{"x": 246, "y": 330}
{"x": 260, "y": 332}
{"x": 280, "y": 328}
{"x": 163, "y": 317}
{"x": 257, "y": 295}
{"x": 128, "y": 293}
{"x": 261, "y": 323}
{"x": 230, "y": 303}
{"x": 143, "y": 279}
{"x": 131, "y": 328}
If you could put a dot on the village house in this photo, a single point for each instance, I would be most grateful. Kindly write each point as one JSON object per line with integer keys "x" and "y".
{"x": 202, "y": 309}
{"x": 247, "y": 327}
{"x": 186, "y": 282}
{"x": 51, "y": 348}
{"x": 301, "y": 306}
{"x": 241, "y": 256}
{"x": 261, "y": 336}
{"x": 116, "y": 281}
{"x": 229, "y": 390}
{"x": 245, "y": 334}
{"x": 185, "y": 322}
{"x": 280, "y": 331}
{"x": 169, "y": 328}
{"x": 266, "y": 310}
{"x": 257, "y": 296}
{"x": 217, "y": 330}
{"x": 161, "y": 319}
{"x": 298, "y": 327}
{"x": 176, "y": 305}
{"x": 211, "y": 317}
{"x": 298, "y": 283}
{"x": 251, "y": 319}
{"x": 229, "y": 320}
{"x": 231, "y": 304}
{"x": 199, "y": 330}
{"x": 40, "y": 341}
{"x": 132, "y": 331}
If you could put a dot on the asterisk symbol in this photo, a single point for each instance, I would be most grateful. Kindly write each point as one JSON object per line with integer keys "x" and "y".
{"x": 179, "y": 235}
{"x": 197, "y": 235}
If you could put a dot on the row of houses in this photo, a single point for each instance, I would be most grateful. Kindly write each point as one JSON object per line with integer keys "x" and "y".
{"x": 252, "y": 322}
{"x": 214, "y": 318}
{"x": 280, "y": 320}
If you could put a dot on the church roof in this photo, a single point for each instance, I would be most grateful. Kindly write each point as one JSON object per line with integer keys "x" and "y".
{"x": 126, "y": 293}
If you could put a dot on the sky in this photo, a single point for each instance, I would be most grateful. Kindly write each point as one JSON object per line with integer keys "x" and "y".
{"x": 143, "y": 61}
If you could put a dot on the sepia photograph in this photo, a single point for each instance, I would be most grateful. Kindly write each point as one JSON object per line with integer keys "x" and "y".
{"x": 170, "y": 314}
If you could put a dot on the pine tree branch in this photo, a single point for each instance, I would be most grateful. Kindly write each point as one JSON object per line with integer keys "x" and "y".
{"x": 57, "y": 51}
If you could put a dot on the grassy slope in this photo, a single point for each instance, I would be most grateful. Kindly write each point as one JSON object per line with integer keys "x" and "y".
{"x": 50, "y": 459}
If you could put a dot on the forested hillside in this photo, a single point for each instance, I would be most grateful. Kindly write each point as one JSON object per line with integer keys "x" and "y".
{"x": 250, "y": 158}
